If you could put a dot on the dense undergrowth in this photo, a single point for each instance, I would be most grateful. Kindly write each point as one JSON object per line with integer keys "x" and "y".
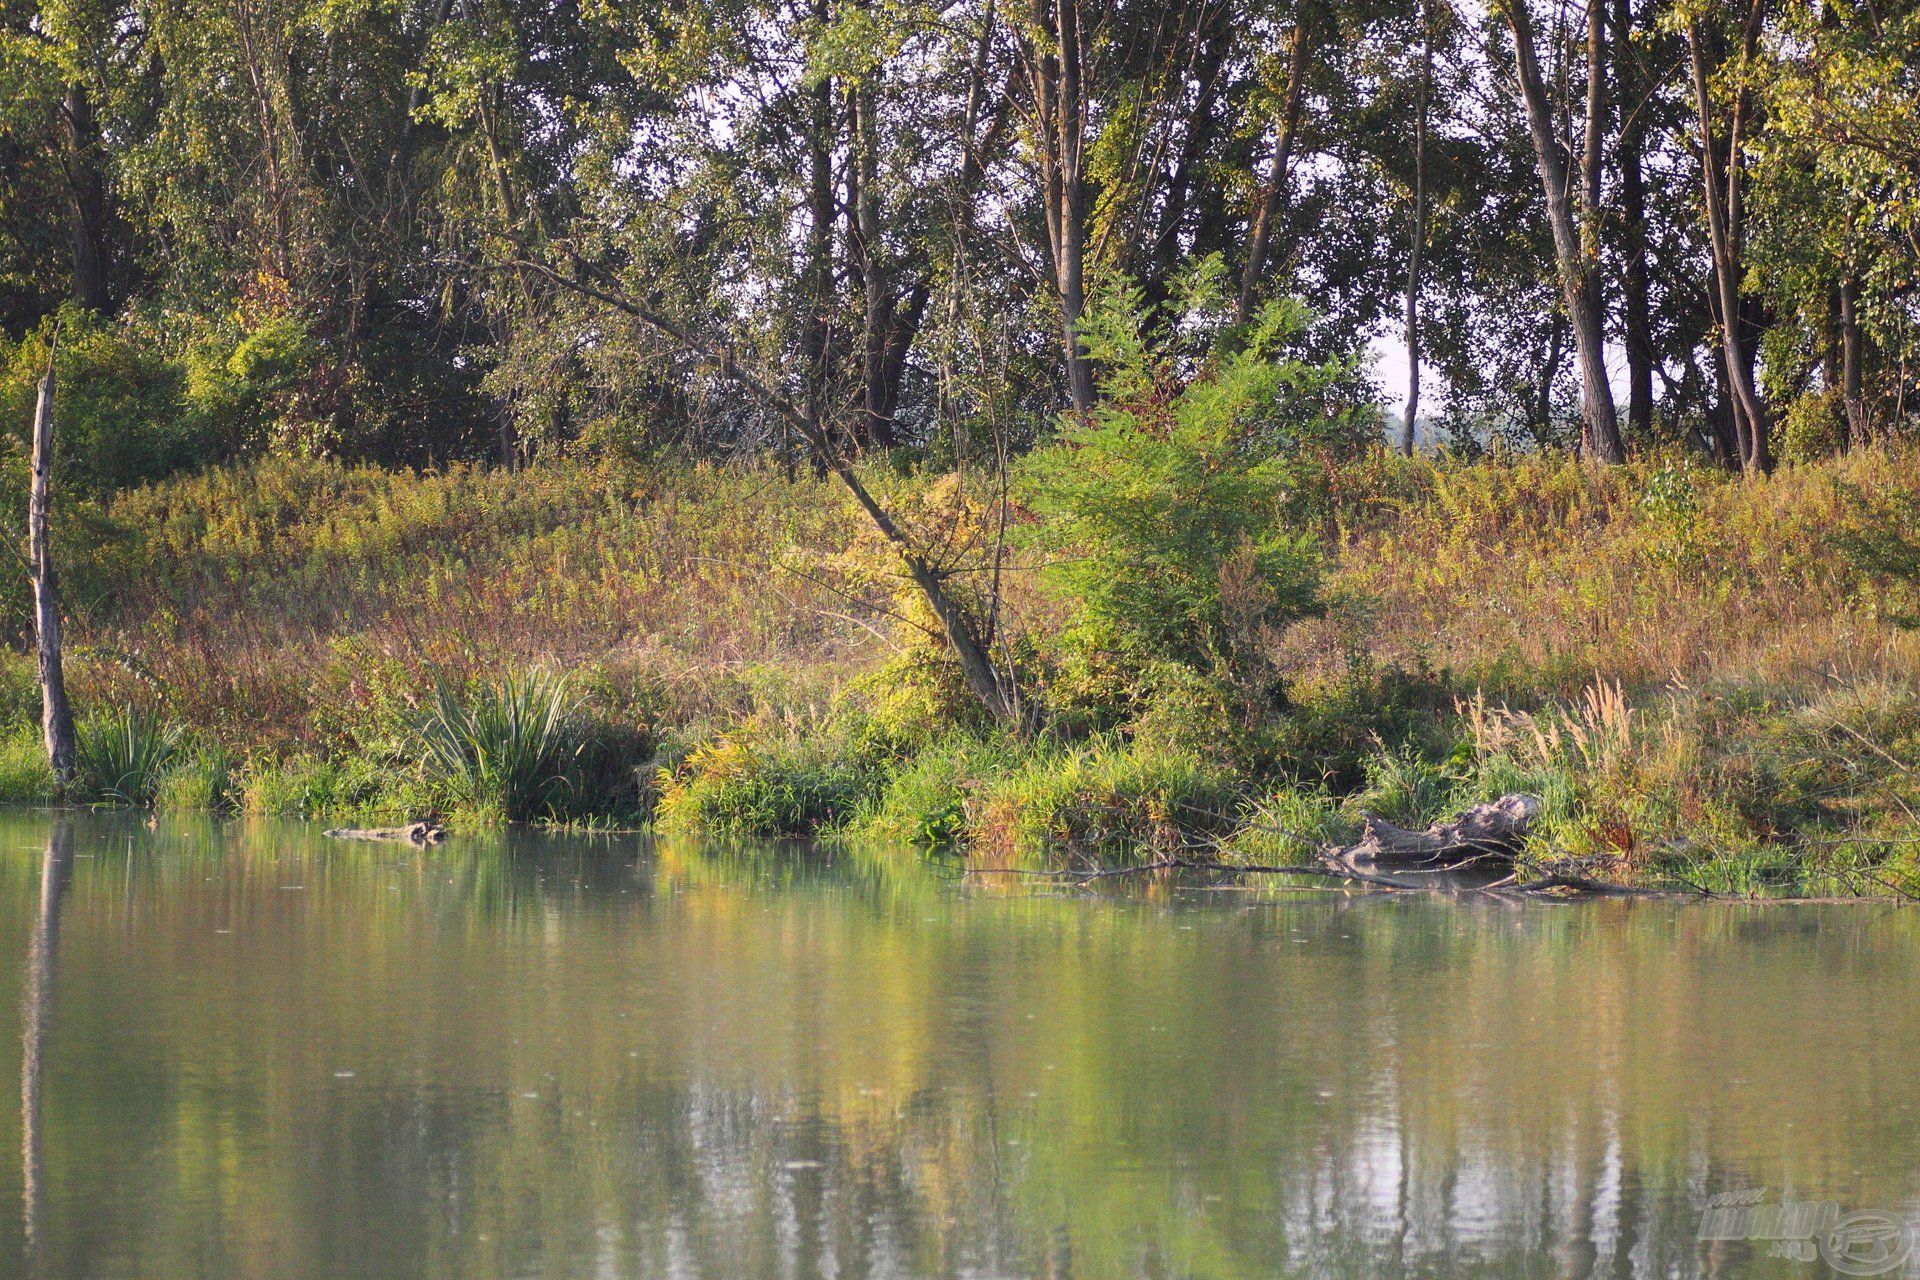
{"x": 1701, "y": 676}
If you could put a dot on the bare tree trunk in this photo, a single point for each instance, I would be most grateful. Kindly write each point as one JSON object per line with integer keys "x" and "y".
{"x": 1070, "y": 242}
{"x": 1632, "y": 91}
{"x": 1054, "y": 81}
{"x": 815, "y": 338}
{"x": 968, "y": 638}
{"x": 1274, "y": 199}
{"x": 1601, "y": 425}
{"x": 56, "y": 717}
{"x": 1409, "y": 427}
{"x": 1723, "y": 206}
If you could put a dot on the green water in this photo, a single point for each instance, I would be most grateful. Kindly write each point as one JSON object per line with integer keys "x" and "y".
{"x": 247, "y": 1052}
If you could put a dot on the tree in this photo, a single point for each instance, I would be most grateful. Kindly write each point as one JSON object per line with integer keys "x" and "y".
{"x": 1572, "y": 220}
{"x": 1723, "y": 181}
{"x": 56, "y": 716}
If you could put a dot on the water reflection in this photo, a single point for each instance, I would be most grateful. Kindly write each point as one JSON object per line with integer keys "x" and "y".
{"x": 540, "y": 1057}
{"x": 36, "y": 1010}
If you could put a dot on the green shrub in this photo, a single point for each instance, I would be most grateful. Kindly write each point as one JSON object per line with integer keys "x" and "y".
{"x": 1105, "y": 800}
{"x": 509, "y": 747}
{"x": 746, "y": 783}
{"x": 203, "y": 782}
{"x": 924, "y": 800}
{"x": 1164, "y": 511}
{"x": 25, "y": 776}
{"x": 349, "y": 788}
{"x": 120, "y": 757}
{"x": 1814, "y": 426}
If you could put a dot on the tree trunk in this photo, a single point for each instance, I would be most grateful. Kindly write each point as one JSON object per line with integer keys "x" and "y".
{"x": 1409, "y": 428}
{"x": 86, "y": 201}
{"x": 56, "y": 717}
{"x": 1274, "y": 199}
{"x": 1630, "y": 88}
{"x": 877, "y": 300}
{"x": 1600, "y": 424}
{"x": 815, "y": 338}
{"x": 1852, "y": 382}
{"x": 1485, "y": 833}
{"x": 1070, "y": 238}
{"x": 1723, "y": 207}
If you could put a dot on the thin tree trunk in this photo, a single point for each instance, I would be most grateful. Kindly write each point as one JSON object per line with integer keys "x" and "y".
{"x": 815, "y": 338}
{"x": 1274, "y": 199}
{"x": 967, "y": 639}
{"x": 1409, "y": 427}
{"x": 1601, "y": 425}
{"x": 1852, "y": 381}
{"x": 56, "y": 717}
{"x": 1723, "y": 212}
{"x": 1070, "y": 116}
{"x": 1630, "y": 88}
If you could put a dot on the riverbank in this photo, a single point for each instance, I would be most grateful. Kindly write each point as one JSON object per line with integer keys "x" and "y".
{"x": 1702, "y": 678}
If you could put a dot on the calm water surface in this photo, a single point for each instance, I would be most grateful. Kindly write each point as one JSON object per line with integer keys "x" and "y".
{"x": 246, "y": 1052}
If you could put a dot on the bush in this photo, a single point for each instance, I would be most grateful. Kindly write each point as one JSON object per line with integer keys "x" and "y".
{"x": 747, "y": 783}
{"x": 25, "y": 776}
{"x": 924, "y": 800}
{"x": 201, "y": 783}
{"x": 1104, "y": 800}
{"x": 1165, "y": 509}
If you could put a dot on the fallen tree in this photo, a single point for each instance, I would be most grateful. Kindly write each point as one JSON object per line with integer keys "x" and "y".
{"x": 415, "y": 833}
{"x": 1481, "y": 851}
{"x": 1494, "y": 832}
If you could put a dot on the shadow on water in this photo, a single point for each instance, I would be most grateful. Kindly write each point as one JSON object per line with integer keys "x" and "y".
{"x": 525, "y": 1054}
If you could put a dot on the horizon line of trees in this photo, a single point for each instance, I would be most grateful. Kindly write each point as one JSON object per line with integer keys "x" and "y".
{"x": 434, "y": 229}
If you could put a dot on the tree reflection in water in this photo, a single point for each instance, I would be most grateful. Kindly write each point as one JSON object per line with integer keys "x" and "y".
{"x": 558, "y": 1058}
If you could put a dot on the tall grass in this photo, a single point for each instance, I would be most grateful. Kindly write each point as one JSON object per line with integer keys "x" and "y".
{"x": 508, "y": 748}
{"x": 121, "y": 757}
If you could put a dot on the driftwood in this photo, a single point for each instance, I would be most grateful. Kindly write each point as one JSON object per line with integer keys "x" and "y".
{"x": 418, "y": 833}
{"x": 1479, "y": 852}
{"x": 1486, "y": 833}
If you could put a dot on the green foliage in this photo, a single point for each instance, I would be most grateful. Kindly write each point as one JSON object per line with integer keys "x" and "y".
{"x": 120, "y": 416}
{"x": 1163, "y": 513}
{"x": 201, "y": 782}
{"x": 509, "y": 748}
{"x": 1106, "y": 800}
{"x": 1813, "y": 427}
{"x": 1879, "y": 537}
{"x": 25, "y": 776}
{"x": 121, "y": 757}
{"x": 925, "y": 798}
{"x": 752, "y": 782}
{"x": 351, "y": 788}
{"x": 1671, "y": 501}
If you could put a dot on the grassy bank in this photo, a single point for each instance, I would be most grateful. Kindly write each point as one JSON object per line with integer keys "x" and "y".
{"x": 1701, "y": 676}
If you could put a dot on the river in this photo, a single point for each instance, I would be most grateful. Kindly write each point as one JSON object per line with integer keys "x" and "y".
{"x": 245, "y": 1051}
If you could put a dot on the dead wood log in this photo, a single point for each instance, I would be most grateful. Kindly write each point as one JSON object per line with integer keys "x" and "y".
{"x": 416, "y": 833}
{"x": 1487, "y": 834}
